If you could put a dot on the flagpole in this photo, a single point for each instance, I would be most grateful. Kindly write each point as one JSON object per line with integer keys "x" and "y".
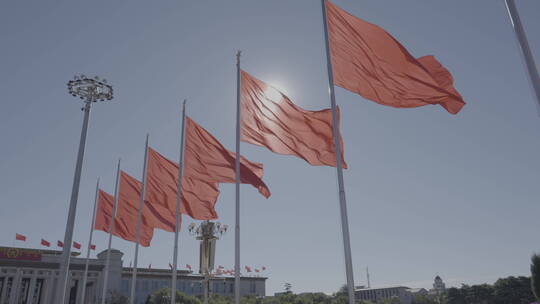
{"x": 339, "y": 167}
{"x": 528, "y": 58}
{"x": 139, "y": 224}
{"x": 111, "y": 231}
{"x": 237, "y": 170}
{"x": 85, "y": 278}
{"x": 178, "y": 205}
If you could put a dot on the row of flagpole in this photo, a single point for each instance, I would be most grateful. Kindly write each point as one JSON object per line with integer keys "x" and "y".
{"x": 533, "y": 76}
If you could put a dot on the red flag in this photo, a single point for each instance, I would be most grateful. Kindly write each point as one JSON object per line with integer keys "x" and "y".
{"x": 59, "y": 244}
{"x": 198, "y": 196}
{"x": 92, "y": 247}
{"x": 76, "y": 245}
{"x": 20, "y": 237}
{"x": 368, "y": 61}
{"x": 125, "y": 222}
{"x": 271, "y": 120}
{"x": 127, "y": 211}
{"x": 45, "y": 243}
{"x": 207, "y": 159}
{"x": 257, "y": 270}
{"x": 248, "y": 269}
{"x": 188, "y": 266}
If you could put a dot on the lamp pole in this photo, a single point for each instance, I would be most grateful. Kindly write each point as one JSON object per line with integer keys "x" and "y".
{"x": 89, "y": 90}
{"x": 207, "y": 232}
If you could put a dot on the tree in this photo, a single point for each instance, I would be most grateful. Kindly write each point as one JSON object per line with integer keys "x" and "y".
{"x": 515, "y": 290}
{"x": 535, "y": 276}
{"x": 116, "y": 298}
{"x": 163, "y": 296}
{"x": 421, "y": 299}
{"x": 455, "y": 296}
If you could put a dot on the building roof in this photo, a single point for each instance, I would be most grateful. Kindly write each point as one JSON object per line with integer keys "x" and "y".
{"x": 383, "y": 287}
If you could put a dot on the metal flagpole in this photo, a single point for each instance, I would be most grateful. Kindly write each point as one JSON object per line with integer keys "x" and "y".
{"x": 111, "y": 230}
{"x": 525, "y": 49}
{"x": 139, "y": 224}
{"x": 342, "y": 200}
{"x": 237, "y": 170}
{"x": 178, "y": 204}
{"x": 68, "y": 237}
{"x": 85, "y": 278}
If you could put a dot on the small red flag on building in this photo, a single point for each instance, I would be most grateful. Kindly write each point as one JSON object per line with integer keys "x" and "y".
{"x": 76, "y": 245}
{"x": 59, "y": 244}
{"x": 92, "y": 247}
{"x": 248, "y": 269}
{"x": 188, "y": 266}
{"x": 20, "y": 237}
{"x": 45, "y": 243}
{"x": 257, "y": 270}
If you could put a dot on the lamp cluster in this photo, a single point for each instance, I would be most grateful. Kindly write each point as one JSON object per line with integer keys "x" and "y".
{"x": 207, "y": 229}
{"x": 90, "y": 89}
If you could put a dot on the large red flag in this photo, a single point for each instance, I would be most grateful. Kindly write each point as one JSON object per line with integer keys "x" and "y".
{"x": 207, "y": 159}
{"x": 121, "y": 229}
{"x": 368, "y": 61}
{"x": 198, "y": 197}
{"x": 270, "y": 119}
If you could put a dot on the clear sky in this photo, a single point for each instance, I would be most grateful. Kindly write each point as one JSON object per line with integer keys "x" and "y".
{"x": 428, "y": 193}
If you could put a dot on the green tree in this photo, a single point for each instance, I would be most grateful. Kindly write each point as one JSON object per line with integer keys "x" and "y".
{"x": 163, "y": 296}
{"x": 514, "y": 290}
{"x": 455, "y": 296}
{"x": 535, "y": 276}
{"x": 116, "y": 298}
{"x": 421, "y": 299}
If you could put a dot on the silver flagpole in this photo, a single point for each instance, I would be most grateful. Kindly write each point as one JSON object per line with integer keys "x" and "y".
{"x": 342, "y": 201}
{"x": 237, "y": 170}
{"x": 85, "y": 278}
{"x": 525, "y": 49}
{"x": 111, "y": 231}
{"x": 178, "y": 205}
{"x": 139, "y": 224}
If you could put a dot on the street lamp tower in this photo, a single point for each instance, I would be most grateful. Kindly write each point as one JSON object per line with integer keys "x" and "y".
{"x": 89, "y": 90}
{"x": 207, "y": 232}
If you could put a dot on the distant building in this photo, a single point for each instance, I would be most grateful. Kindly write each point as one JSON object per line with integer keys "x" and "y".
{"x": 419, "y": 291}
{"x": 402, "y": 293}
{"x": 439, "y": 287}
{"x": 30, "y": 276}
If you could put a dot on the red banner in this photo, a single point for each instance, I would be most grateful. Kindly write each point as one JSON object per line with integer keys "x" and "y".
{"x": 20, "y": 254}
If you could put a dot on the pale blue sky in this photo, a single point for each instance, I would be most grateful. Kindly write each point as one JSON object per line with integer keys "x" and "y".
{"x": 427, "y": 192}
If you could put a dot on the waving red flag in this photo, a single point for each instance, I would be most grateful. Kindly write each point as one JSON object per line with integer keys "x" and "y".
{"x": 45, "y": 243}
{"x": 188, "y": 266}
{"x": 271, "y": 120}
{"x": 207, "y": 159}
{"x": 198, "y": 196}
{"x": 59, "y": 244}
{"x": 370, "y": 62}
{"x": 20, "y": 237}
{"x": 152, "y": 215}
{"x": 76, "y": 245}
{"x": 92, "y": 247}
{"x": 122, "y": 228}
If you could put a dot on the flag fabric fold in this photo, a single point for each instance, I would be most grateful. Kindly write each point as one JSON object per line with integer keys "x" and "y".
{"x": 198, "y": 196}
{"x": 270, "y": 119}
{"x": 125, "y": 228}
{"x": 207, "y": 159}
{"x": 368, "y": 61}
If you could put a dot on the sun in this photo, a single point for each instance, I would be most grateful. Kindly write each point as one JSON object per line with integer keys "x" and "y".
{"x": 272, "y": 94}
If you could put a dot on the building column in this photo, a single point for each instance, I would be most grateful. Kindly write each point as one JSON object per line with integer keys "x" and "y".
{"x": 14, "y": 294}
{"x": 4, "y": 289}
{"x": 49, "y": 285}
{"x": 79, "y": 291}
{"x": 32, "y": 288}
